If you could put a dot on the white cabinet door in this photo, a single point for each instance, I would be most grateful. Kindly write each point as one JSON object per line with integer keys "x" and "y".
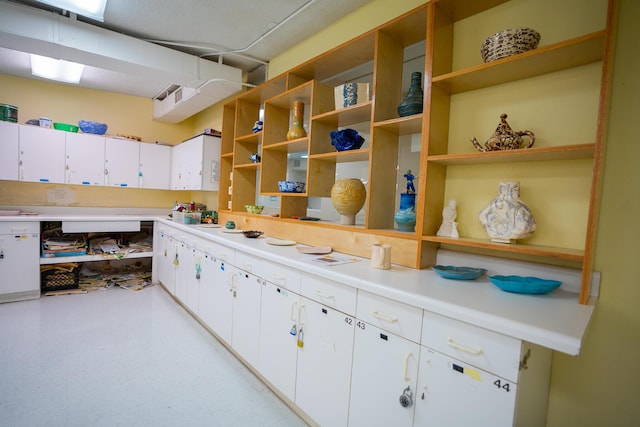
{"x": 184, "y": 268}
{"x": 122, "y": 160}
{"x": 84, "y": 159}
{"x": 384, "y": 366}
{"x": 194, "y": 279}
{"x": 42, "y": 157}
{"x": 324, "y": 363}
{"x": 246, "y": 316}
{"x": 279, "y": 334}
{"x": 454, "y": 393}
{"x": 216, "y": 297}
{"x": 19, "y": 259}
{"x": 215, "y": 305}
{"x": 9, "y": 151}
{"x": 155, "y": 166}
{"x": 195, "y": 164}
{"x": 165, "y": 256}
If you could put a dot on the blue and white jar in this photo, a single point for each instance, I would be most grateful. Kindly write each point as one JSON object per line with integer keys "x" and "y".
{"x": 507, "y": 218}
{"x": 350, "y": 94}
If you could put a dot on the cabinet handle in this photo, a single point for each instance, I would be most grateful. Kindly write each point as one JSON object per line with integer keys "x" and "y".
{"x": 19, "y": 230}
{"x": 300, "y": 311}
{"x": 222, "y": 256}
{"x": 473, "y": 351}
{"x": 323, "y": 295}
{"x": 279, "y": 279}
{"x": 248, "y": 267}
{"x": 384, "y": 317}
{"x": 406, "y": 367}
{"x": 293, "y": 311}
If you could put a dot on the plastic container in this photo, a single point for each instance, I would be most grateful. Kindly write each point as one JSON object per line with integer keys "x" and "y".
{"x": 187, "y": 217}
{"x": 8, "y": 113}
{"x": 65, "y": 127}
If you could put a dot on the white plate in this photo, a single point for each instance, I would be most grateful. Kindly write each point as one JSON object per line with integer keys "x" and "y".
{"x": 278, "y": 242}
{"x": 233, "y": 230}
{"x": 210, "y": 225}
{"x": 317, "y": 250}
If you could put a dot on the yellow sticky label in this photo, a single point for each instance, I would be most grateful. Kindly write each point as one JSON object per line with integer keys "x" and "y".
{"x": 472, "y": 373}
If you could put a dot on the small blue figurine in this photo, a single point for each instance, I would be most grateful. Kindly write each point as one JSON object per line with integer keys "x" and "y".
{"x": 410, "y": 177}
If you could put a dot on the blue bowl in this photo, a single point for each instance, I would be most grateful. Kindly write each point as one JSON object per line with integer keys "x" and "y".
{"x": 346, "y": 139}
{"x": 524, "y": 285}
{"x": 458, "y": 273}
{"x": 92, "y": 127}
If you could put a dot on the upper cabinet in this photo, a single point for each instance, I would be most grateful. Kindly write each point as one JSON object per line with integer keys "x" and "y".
{"x": 195, "y": 164}
{"x": 155, "y": 166}
{"x": 84, "y": 159}
{"x": 121, "y": 162}
{"x": 9, "y": 151}
{"x": 558, "y": 91}
{"x": 42, "y": 155}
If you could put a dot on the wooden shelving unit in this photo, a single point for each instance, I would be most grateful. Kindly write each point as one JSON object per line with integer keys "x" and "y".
{"x": 381, "y": 51}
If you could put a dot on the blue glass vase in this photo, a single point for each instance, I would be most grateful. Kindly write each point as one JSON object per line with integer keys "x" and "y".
{"x": 406, "y": 215}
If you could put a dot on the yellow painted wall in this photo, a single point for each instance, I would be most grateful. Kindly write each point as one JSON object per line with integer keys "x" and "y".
{"x": 598, "y": 388}
{"x": 129, "y": 115}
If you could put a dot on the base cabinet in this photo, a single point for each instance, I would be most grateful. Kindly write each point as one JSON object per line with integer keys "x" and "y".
{"x": 279, "y": 336}
{"x": 348, "y": 357}
{"x": 19, "y": 267}
{"x": 385, "y": 367}
{"x": 454, "y": 393}
{"x": 165, "y": 260}
{"x": 246, "y": 316}
{"x": 323, "y": 377}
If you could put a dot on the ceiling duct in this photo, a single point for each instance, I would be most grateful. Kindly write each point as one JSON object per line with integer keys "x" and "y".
{"x": 49, "y": 34}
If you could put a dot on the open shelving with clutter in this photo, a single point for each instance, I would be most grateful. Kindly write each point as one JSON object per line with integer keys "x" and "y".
{"x": 559, "y": 89}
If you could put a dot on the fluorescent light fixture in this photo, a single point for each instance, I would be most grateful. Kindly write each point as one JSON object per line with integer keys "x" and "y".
{"x": 56, "y": 69}
{"x": 93, "y": 9}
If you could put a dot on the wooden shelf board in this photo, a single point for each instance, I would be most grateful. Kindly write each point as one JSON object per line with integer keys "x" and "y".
{"x": 85, "y": 258}
{"x": 293, "y": 146}
{"x": 299, "y": 93}
{"x": 266, "y": 90}
{"x": 460, "y": 9}
{"x": 225, "y": 155}
{"x": 403, "y": 125}
{"x": 538, "y": 251}
{"x": 247, "y": 166}
{"x": 252, "y": 138}
{"x": 347, "y": 116}
{"x": 349, "y": 55}
{"x": 568, "y": 152}
{"x": 556, "y": 57}
{"x": 343, "y": 156}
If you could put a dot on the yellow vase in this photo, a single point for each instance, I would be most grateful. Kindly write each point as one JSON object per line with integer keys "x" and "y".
{"x": 297, "y": 117}
{"x": 348, "y": 196}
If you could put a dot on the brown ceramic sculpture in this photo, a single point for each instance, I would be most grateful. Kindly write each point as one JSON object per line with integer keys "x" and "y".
{"x": 505, "y": 138}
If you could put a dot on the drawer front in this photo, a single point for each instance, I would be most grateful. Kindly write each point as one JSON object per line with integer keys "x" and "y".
{"x": 220, "y": 252}
{"x": 401, "y": 319}
{"x": 329, "y": 293}
{"x": 493, "y": 352}
{"x": 275, "y": 273}
{"x": 21, "y": 227}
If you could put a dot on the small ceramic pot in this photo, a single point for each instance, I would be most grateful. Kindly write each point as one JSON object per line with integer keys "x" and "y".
{"x": 230, "y": 225}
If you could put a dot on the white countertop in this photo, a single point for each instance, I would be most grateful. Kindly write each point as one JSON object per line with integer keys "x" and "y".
{"x": 555, "y": 320}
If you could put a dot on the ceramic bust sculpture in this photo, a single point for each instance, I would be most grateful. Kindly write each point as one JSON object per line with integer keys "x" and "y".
{"x": 449, "y": 227}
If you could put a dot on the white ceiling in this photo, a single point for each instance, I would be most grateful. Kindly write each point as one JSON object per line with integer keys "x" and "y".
{"x": 244, "y": 34}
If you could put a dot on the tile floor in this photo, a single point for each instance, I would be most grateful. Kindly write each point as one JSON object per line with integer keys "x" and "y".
{"x": 123, "y": 358}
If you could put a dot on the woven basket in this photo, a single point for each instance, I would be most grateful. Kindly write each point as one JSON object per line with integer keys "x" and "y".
{"x": 509, "y": 42}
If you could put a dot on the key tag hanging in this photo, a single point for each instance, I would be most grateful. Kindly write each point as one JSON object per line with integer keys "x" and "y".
{"x": 300, "y": 338}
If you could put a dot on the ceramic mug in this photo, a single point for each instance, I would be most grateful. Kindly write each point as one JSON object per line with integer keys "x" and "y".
{"x": 230, "y": 225}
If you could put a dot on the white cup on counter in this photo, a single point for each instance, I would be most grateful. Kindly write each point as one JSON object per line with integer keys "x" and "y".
{"x": 45, "y": 122}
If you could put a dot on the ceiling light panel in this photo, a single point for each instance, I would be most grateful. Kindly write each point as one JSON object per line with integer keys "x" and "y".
{"x": 93, "y": 9}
